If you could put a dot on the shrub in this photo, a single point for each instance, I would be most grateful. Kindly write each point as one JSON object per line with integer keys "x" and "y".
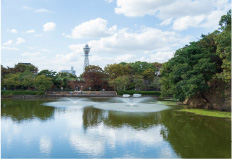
{"x": 9, "y": 92}
{"x": 139, "y": 92}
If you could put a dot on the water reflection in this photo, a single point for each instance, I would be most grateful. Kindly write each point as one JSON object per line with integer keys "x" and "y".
{"x": 79, "y": 128}
{"x": 19, "y": 110}
{"x": 194, "y": 136}
{"x": 93, "y": 117}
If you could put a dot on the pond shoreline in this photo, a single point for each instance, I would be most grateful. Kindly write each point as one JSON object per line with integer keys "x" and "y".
{"x": 62, "y": 95}
{"x": 207, "y": 112}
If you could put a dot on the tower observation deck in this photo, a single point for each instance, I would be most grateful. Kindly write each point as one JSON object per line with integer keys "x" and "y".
{"x": 86, "y": 51}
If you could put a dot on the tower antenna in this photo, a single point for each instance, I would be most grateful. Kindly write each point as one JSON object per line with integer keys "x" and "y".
{"x": 86, "y": 51}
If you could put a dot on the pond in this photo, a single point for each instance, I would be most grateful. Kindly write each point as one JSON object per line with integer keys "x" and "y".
{"x": 109, "y": 128}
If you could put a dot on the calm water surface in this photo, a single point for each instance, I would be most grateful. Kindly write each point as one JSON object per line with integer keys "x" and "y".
{"x": 109, "y": 127}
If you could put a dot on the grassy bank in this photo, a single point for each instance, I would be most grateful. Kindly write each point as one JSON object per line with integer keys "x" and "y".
{"x": 139, "y": 92}
{"x": 205, "y": 112}
{"x": 11, "y": 92}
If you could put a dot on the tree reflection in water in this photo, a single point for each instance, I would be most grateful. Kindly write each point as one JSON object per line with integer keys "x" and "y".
{"x": 93, "y": 117}
{"x": 191, "y": 136}
{"x": 26, "y": 110}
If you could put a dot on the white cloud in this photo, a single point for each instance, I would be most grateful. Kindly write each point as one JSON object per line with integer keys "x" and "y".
{"x": 133, "y": 8}
{"x": 9, "y": 48}
{"x": 126, "y": 46}
{"x": 31, "y": 54}
{"x": 20, "y": 41}
{"x": 8, "y": 42}
{"x": 187, "y": 21}
{"x": 30, "y": 31}
{"x": 166, "y": 22}
{"x": 186, "y": 13}
{"x": 92, "y": 29}
{"x": 14, "y": 31}
{"x": 49, "y": 26}
{"x": 109, "y": 1}
{"x": 45, "y": 144}
{"x": 43, "y": 11}
{"x": 26, "y": 7}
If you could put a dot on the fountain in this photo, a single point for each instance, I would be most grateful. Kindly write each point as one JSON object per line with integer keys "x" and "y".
{"x": 125, "y": 95}
{"x": 120, "y": 104}
{"x": 137, "y": 95}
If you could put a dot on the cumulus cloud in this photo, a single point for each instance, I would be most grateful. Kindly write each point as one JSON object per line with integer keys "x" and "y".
{"x": 92, "y": 29}
{"x": 109, "y": 1}
{"x": 31, "y": 54}
{"x": 9, "y": 48}
{"x": 185, "y": 13}
{"x": 152, "y": 44}
{"x": 49, "y": 26}
{"x": 43, "y": 11}
{"x": 20, "y": 41}
{"x": 14, "y": 31}
{"x": 8, "y": 42}
{"x": 30, "y": 31}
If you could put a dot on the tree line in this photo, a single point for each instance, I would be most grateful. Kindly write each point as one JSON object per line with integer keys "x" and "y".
{"x": 133, "y": 76}
{"x": 199, "y": 65}
{"x": 27, "y": 77}
{"x": 124, "y": 76}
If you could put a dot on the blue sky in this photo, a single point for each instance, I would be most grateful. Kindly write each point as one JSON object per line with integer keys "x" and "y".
{"x": 51, "y": 33}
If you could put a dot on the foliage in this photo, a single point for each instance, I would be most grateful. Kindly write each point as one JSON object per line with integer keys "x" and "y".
{"x": 139, "y": 67}
{"x": 12, "y": 80}
{"x": 20, "y": 67}
{"x": 192, "y": 68}
{"x": 116, "y": 70}
{"x": 94, "y": 76}
{"x": 120, "y": 82}
{"x": 9, "y": 92}
{"x": 139, "y": 92}
{"x": 42, "y": 83}
{"x": 139, "y": 82}
{"x": 223, "y": 41}
{"x": 138, "y": 75}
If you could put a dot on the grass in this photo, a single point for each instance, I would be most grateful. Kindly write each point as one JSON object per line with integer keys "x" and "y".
{"x": 139, "y": 92}
{"x": 214, "y": 113}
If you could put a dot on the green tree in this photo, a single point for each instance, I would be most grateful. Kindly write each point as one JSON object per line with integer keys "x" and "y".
{"x": 223, "y": 41}
{"x": 94, "y": 77}
{"x": 189, "y": 71}
{"x": 121, "y": 82}
{"x": 139, "y": 67}
{"x": 20, "y": 67}
{"x": 12, "y": 80}
{"x": 42, "y": 83}
{"x": 139, "y": 82}
{"x": 27, "y": 79}
{"x": 116, "y": 70}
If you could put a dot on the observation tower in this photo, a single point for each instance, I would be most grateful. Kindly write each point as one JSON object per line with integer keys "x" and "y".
{"x": 86, "y": 51}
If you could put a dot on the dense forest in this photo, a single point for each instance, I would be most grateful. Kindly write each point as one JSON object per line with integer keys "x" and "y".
{"x": 199, "y": 74}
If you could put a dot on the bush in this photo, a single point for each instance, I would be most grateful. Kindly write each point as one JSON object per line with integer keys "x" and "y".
{"x": 9, "y": 92}
{"x": 139, "y": 92}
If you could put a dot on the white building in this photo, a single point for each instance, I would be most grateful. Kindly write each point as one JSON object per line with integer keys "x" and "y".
{"x": 72, "y": 71}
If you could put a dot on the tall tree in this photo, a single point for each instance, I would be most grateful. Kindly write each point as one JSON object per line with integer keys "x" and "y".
{"x": 42, "y": 83}
{"x": 223, "y": 41}
{"x": 95, "y": 77}
{"x": 116, "y": 70}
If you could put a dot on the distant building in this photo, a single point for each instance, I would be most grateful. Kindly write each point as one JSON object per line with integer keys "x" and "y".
{"x": 72, "y": 71}
{"x": 25, "y": 63}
